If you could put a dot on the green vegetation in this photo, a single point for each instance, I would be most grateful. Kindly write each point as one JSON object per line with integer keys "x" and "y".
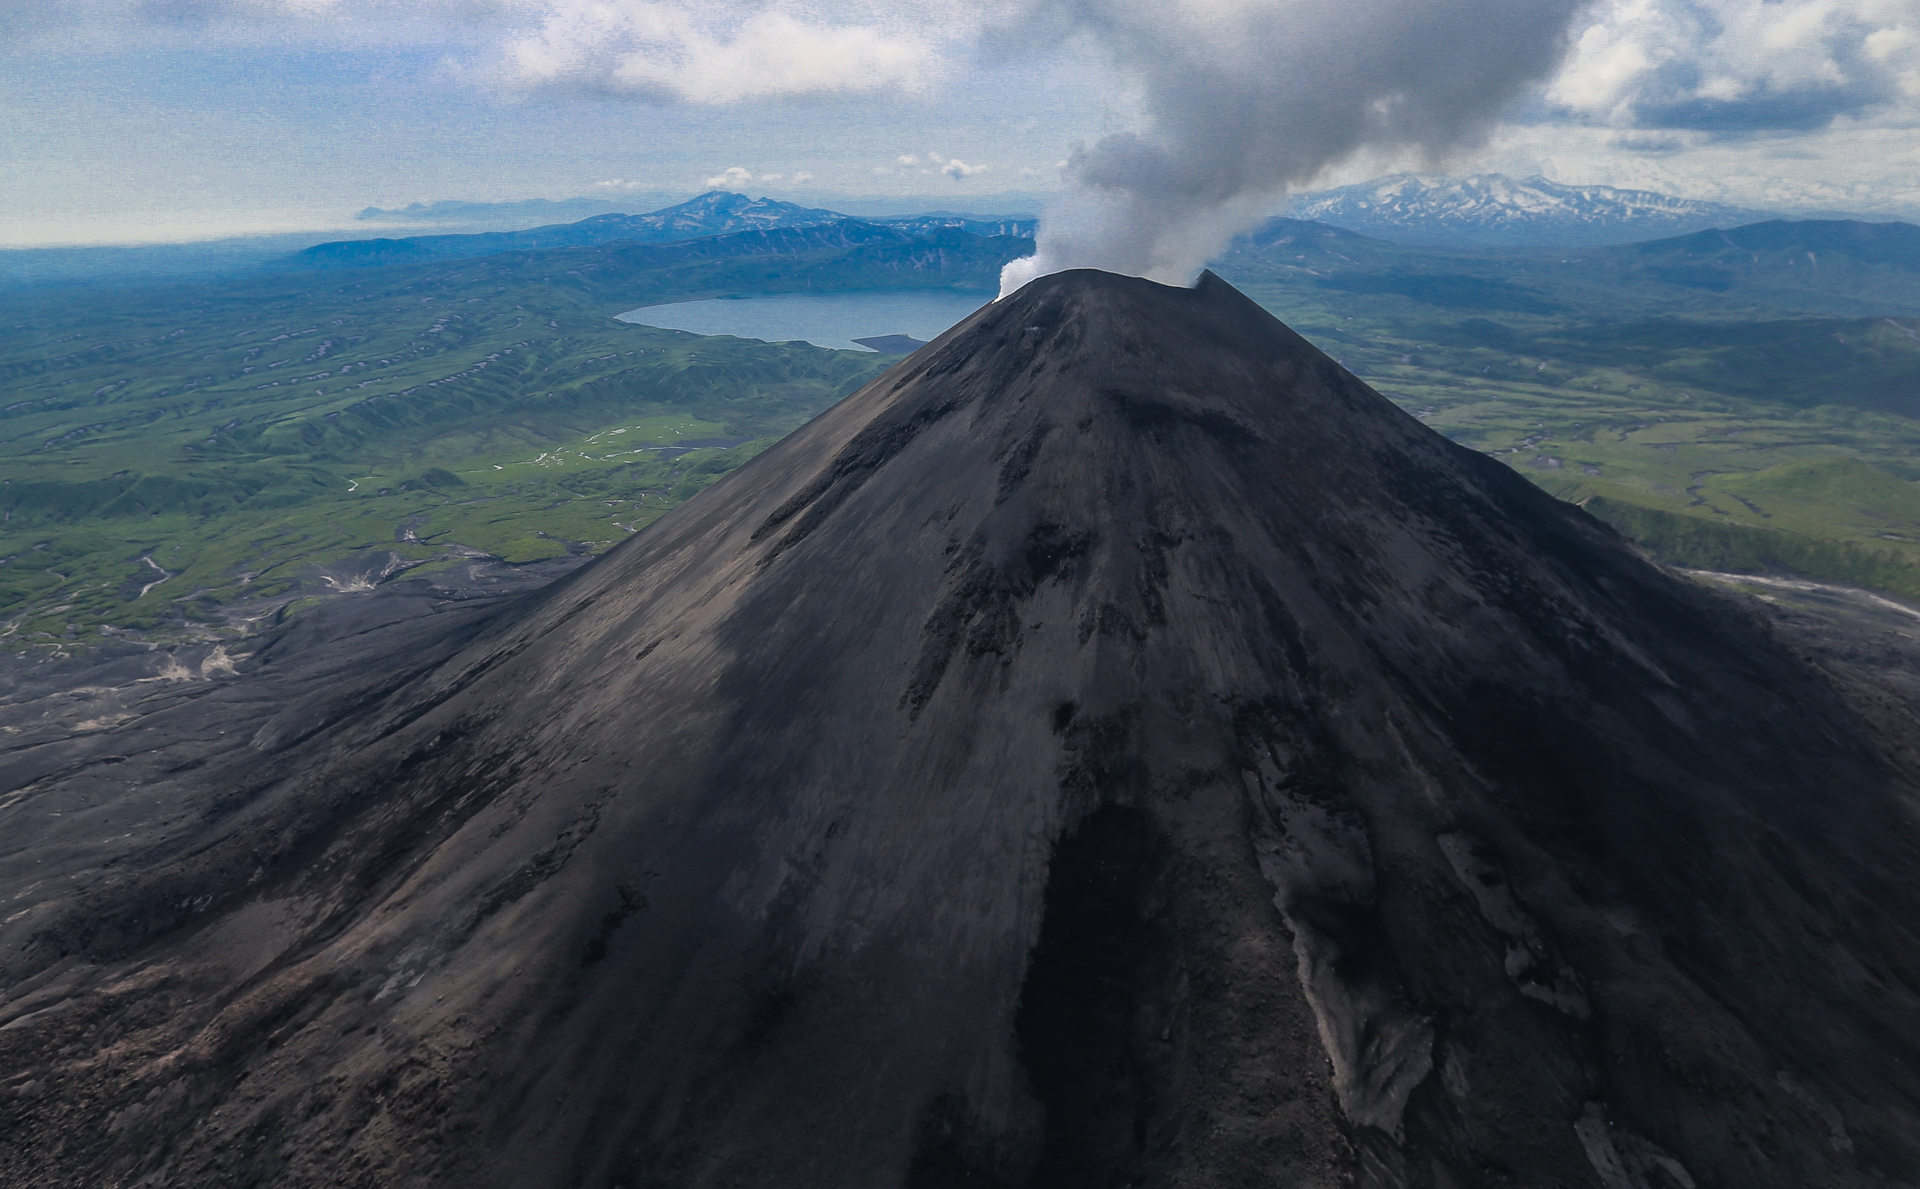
{"x": 1731, "y": 547}
{"x": 1761, "y": 425}
{"x": 173, "y": 458}
{"x": 177, "y": 459}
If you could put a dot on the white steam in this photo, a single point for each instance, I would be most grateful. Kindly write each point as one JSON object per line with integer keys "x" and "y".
{"x": 1247, "y": 99}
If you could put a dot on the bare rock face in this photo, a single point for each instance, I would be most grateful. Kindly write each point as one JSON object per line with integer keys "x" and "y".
{"x": 1115, "y": 748}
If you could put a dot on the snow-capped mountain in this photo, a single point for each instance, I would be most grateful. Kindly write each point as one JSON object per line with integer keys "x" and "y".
{"x": 1491, "y": 208}
{"x": 717, "y": 212}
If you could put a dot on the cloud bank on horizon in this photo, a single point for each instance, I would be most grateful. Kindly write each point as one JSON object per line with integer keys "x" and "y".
{"x": 1737, "y": 67}
{"x": 1214, "y": 107}
{"x": 667, "y": 52}
{"x": 1719, "y": 66}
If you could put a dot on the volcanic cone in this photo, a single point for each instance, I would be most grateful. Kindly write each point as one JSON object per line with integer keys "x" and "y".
{"x": 1117, "y": 747}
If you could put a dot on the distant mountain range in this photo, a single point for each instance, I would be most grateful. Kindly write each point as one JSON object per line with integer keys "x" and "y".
{"x": 1487, "y": 211}
{"x": 718, "y": 212}
{"x": 460, "y": 215}
{"x": 1495, "y": 210}
{"x": 509, "y": 216}
{"x": 1718, "y": 260}
{"x": 1826, "y": 267}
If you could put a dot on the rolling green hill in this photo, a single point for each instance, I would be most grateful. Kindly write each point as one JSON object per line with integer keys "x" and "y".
{"x": 168, "y": 455}
{"x": 1647, "y": 401}
{"x": 1775, "y": 269}
{"x": 175, "y": 459}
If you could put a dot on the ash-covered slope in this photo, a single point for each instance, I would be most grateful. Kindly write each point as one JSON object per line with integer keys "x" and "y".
{"x": 1117, "y": 747}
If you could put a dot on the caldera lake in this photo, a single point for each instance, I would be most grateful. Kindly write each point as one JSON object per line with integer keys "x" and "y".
{"x": 823, "y": 319}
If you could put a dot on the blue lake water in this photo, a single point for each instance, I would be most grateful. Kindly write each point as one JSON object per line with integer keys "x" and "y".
{"x": 823, "y": 319}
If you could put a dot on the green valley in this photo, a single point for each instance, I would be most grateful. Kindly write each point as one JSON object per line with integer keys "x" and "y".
{"x": 167, "y": 454}
{"x": 178, "y": 458}
{"x": 1749, "y": 419}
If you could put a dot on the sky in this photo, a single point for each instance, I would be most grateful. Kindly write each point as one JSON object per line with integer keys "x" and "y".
{"x": 159, "y": 120}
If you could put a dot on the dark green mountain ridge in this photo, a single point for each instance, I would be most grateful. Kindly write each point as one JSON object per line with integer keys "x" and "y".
{"x": 715, "y": 214}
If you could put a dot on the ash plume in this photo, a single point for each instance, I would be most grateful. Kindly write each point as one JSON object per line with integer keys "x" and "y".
{"x": 1246, "y": 99}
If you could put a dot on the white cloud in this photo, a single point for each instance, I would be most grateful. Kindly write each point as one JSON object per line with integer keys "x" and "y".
{"x": 737, "y": 177}
{"x": 714, "y": 54}
{"x": 1703, "y": 97}
{"x": 731, "y": 178}
{"x": 1733, "y": 67}
{"x": 1882, "y": 44}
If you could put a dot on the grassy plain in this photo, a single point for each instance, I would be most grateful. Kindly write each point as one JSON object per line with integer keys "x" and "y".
{"x": 174, "y": 457}
{"x": 169, "y": 454}
{"x": 1751, "y": 418}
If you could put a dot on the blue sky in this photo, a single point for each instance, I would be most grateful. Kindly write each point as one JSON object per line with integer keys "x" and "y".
{"x": 165, "y": 119}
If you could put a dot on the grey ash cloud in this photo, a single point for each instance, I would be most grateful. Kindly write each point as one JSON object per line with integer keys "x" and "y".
{"x": 1243, "y": 101}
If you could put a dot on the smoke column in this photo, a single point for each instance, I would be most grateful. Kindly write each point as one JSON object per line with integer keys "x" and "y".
{"x": 1249, "y": 98}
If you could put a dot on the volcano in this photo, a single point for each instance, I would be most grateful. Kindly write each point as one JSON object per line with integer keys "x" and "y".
{"x": 1117, "y": 747}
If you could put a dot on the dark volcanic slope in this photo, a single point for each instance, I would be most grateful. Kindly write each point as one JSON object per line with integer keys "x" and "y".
{"x": 1116, "y": 748}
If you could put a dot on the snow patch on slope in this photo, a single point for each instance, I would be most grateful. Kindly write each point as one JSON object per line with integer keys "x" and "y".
{"x": 1491, "y": 208}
